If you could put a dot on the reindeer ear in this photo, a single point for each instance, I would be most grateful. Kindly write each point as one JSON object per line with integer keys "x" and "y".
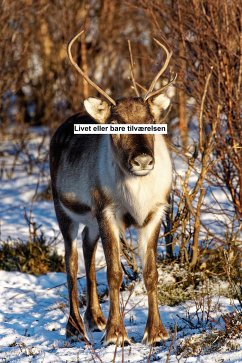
{"x": 98, "y": 109}
{"x": 158, "y": 104}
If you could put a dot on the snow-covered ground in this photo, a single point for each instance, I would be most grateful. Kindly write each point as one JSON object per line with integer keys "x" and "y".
{"x": 33, "y": 310}
{"x": 33, "y": 314}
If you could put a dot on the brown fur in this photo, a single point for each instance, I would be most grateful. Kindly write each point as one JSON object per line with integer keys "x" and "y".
{"x": 127, "y": 147}
{"x": 100, "y": 200}
{"x": 128, "y": 220}
{"x": 75, "y": 326}
{"x": 115, "y": 330}
{"x": 154, "y": 327}
{"x": 94, "y": 317}
{"x": 73, "y": 205}
{"x": 132, "y": 111}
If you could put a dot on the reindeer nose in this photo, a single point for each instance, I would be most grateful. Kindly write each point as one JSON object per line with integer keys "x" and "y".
{"x": 143, "y": 161}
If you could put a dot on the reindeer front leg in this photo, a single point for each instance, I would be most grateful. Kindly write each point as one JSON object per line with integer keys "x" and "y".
{"x": 148, "y": 237}
{"x": 115, "y": 330}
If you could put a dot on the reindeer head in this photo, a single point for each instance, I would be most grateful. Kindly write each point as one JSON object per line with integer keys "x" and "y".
{"x": 133, "y": 153}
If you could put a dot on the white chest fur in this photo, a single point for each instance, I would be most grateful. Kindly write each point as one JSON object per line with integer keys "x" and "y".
{"x": 140, "y": 195}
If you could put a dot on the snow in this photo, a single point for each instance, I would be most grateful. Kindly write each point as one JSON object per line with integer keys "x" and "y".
{"x": 33, "y": 314}
{"x": 34, "y": 309}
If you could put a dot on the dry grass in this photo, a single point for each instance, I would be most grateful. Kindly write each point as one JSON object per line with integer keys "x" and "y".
{"x": 217, "y": 340}
{"x": 30, "y": 257}
{"x": 178, "y": 284}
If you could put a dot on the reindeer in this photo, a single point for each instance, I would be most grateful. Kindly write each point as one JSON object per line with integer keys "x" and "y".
{"x": 108, "y": 183}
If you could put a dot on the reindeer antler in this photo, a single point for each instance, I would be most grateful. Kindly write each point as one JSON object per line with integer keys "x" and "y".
{"x": 150, "y": 91}
{"x": 132, "y": 69}
{"x": 79, "y": 70}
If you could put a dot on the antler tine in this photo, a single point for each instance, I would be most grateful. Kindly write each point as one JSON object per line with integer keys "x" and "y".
{"x": 132, "y": 69}
{"x": 162, "y": 70}
{"x": 79, "y": 70}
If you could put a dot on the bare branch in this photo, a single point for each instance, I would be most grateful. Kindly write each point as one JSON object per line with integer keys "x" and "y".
{"x": 201, "y": 146}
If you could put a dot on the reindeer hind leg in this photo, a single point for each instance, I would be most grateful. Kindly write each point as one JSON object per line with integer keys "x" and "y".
{"x": 75, "y": 329}
{"x": 94, "y": 318}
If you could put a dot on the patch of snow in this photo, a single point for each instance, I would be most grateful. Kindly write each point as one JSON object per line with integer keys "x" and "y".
{"x": 33, "y": 314}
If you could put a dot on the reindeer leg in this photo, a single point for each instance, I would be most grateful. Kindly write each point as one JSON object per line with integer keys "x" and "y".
{"x": 154, "y": 331}
{"x": 75, "y": 328}
{"x": 115, "y": 330}
{"x": 94, "y": 317}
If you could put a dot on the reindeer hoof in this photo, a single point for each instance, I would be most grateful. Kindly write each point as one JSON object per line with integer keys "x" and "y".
{"x": 116, "y": 340}
{"x": 155, "y": 335}
{"x": 76, "y": 333}
{"x": 95, "y": 321}
{"x": 116, "y": 335}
